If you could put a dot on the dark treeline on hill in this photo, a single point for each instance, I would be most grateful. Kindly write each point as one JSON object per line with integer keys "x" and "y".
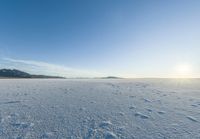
{"x": 13, "y": 73}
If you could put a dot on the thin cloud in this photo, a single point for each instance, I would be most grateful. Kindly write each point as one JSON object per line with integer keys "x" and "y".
{"x": 38, "y": 67}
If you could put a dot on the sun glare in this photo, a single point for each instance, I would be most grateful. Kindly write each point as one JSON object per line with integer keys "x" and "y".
{"x": 183, "y": 70}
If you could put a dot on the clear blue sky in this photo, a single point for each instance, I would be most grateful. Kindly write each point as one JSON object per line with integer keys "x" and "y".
{"x": 128, "y": 38}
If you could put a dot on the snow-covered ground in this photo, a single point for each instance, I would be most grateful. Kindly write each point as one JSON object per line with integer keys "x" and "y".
{"x": 95, "y": 109}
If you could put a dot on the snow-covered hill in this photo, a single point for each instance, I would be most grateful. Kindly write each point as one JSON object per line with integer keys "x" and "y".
{"x": 95, "y": 109}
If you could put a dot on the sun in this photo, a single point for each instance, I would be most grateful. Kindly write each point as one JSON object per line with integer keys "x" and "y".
{"x": 183, "y": 70}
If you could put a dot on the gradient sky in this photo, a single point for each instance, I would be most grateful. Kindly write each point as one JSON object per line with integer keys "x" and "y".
{"x": 127, "y": 38}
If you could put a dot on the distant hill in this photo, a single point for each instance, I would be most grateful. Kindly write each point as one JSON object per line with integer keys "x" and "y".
{"x": 14, "y": 73}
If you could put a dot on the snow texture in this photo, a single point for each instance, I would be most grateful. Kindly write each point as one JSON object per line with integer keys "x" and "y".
{"x": 99, "y": 109}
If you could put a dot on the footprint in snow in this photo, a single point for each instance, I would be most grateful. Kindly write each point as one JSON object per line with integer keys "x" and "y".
{"x": 121, "y": 113}
{"x": 132, "y": 96}
{"x": 194, "y": 105}
{"x": 144, "y": 85}
{"x": 132, "y": 107}
{"x": 110, "y": 84}
{"x": 12, "y": 116}
{"x": 110, "y": 135}
{"x": 19, "y": 137}
{"x": 161, "y": 112}
{"x": 93, "y": 102}
{"x": 47, "y": 135}
{"x": 82, "y": 109}
{"x": 192, "y": 118}
{"x": 149, "y": 110}
{"x": 91, "y": 133}
{"x": 138, "y": 114}
{"x": 146, "y": 100}
{"x": 11, "y": 102}
{"x": 105, "y": 124}
{"x": 21, "y": 125}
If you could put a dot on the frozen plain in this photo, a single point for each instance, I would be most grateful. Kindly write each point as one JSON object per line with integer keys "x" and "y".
{"x": 99, "y": 108}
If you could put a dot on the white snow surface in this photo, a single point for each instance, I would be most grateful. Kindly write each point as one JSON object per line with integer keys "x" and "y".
{"x": 99, "y": 109}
